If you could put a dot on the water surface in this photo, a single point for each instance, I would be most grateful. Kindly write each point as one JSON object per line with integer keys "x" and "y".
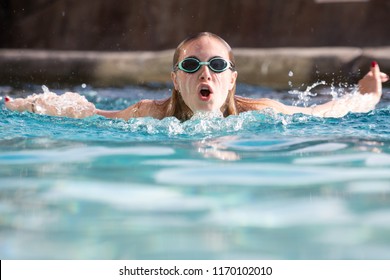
{"x": 252, "y": 186}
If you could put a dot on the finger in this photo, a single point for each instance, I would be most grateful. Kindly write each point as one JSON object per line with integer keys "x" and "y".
{"x": 375, "y": 69}
{"x": 384, "y": 77}
{"x": 8, "y": 102}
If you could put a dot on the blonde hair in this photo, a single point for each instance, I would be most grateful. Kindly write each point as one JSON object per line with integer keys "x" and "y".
{"x": 175, "y": 104}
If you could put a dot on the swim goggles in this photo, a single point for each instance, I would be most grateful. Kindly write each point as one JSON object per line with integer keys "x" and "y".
{"x": 192, "y": 64}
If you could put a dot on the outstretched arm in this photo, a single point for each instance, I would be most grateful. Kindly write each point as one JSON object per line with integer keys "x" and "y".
{"x": 370, "y": 92}
{"x": 73, "y": 105}
{"x": 70, "y": 104}
{"x": 143, "y": 108}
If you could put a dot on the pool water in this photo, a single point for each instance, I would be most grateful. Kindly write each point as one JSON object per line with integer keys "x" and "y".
{"x": 254, "y": 186}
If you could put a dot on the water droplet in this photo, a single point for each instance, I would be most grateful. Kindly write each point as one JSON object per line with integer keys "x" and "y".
{"x": 291, "y": 73}
{"x": 83, "y": 85}
{"x": 45, "y": 89}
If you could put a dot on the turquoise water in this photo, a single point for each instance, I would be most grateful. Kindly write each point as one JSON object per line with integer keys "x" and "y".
{"x": 254, "y": 186}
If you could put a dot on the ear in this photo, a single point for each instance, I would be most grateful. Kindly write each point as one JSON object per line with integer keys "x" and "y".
{"x": 233, "y": 80}
{"x": 174, "y": 80}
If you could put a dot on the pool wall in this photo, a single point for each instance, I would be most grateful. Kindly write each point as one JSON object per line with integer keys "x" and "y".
{"x": 276, "y": 67}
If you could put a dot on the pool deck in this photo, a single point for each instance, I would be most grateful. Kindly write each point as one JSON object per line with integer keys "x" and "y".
{"x": 276, "y": 67}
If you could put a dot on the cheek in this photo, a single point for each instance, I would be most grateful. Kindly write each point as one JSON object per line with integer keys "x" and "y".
{"x": 225, "y": 83}
{"x": 232, "y": 80}
{"x": 185, "y": 87}
{"x": 184, "y": 83}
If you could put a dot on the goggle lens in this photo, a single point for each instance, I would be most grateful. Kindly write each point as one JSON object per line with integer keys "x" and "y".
{"x": 218, "y": 64}
{"x": 189, "y": 65}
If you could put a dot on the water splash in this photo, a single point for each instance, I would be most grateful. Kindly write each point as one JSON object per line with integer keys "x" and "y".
{"x": 305, "y": 96}
{"x": 69, "y": 104}
{"x": 45, "y": 89}
{"x": 200, "y": 126}
{"x": 290, "y": 74}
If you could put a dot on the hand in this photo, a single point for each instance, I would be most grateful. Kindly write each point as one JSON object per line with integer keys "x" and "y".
{"x": 20, "y": 104}
{"x": 69, "y": 104}
{"x": 372, "y": 81}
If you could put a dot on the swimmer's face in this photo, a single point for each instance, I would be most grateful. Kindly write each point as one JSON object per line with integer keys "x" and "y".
{"x": 204, "y": 90}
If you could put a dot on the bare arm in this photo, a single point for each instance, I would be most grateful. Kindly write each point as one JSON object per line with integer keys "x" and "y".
{"x": 144, "y": 108}
{"x": 133, "y": 111}
{"x": 70, "y": 104}
{"x": 370, "y": 92}
{"x": 74, "y": 105}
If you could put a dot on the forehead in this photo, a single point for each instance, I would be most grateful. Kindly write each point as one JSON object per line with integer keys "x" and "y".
{"x": 204, "y": 48}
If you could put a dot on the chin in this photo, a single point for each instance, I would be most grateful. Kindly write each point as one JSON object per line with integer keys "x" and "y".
{"x": 207, "y": 107}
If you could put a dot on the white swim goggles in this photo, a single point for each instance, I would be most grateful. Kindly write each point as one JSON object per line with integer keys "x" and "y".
{"x": 215, "y": 64}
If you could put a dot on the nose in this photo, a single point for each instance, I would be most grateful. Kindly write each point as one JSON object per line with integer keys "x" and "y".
{"x": 204, "y": 73}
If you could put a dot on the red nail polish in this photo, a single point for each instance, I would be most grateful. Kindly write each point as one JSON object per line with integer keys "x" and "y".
{"x": 7, "y": 99}
{"x": 373, "y": 64}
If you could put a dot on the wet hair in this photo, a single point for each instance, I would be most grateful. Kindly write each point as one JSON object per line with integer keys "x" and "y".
{"x": 177, "y": 106}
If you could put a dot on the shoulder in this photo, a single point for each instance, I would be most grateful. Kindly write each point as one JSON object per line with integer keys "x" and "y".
{"x": 249, "y": 104}
{"x": 152, "y": 108}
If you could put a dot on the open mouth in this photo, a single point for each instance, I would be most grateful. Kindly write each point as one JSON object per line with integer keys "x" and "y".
{"x": 205, "y": 92}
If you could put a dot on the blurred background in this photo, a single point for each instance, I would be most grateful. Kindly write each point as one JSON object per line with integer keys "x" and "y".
{"x": 276, "y": 42}
{"x": 123, "y": 25}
